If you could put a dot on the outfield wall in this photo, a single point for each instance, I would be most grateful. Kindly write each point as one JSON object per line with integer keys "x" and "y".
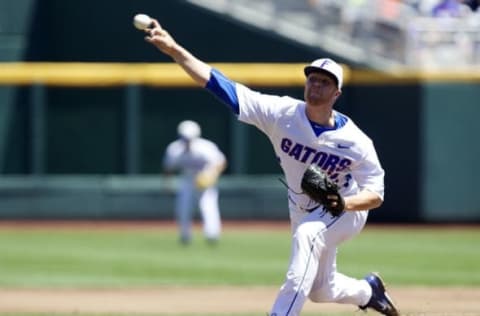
{"x": 423, "y": 123}
{"x": 133, "y": 197}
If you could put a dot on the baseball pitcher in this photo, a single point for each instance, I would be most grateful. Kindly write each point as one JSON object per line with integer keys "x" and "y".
{"x": 332, "y": 171}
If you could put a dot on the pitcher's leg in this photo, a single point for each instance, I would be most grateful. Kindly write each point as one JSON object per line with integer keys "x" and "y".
{"x": 307, "y": 247}
{"x": 332, "y": 286}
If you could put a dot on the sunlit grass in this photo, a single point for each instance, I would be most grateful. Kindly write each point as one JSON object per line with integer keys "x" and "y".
{"x": 129, "y": 258}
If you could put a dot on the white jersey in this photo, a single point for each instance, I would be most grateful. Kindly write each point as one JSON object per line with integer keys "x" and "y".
{"x": 190, "y": 160}
{"x": 345, "y": 153}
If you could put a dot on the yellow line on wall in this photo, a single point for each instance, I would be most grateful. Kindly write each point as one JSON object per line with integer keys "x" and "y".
{"x": 155, "y": 74}
{"x": 171, "y": 75}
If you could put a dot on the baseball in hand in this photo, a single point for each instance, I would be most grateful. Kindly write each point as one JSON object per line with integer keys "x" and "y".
{"x": 142, "y": 21}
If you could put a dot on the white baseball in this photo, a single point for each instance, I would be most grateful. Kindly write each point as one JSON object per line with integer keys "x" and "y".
{"x": 142, "y": 21}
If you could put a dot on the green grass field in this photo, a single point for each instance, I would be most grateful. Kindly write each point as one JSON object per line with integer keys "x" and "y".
{"x": 139, "y": 258}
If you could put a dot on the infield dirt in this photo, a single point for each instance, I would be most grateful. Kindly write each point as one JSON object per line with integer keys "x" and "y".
{"x": 221, "y": 300}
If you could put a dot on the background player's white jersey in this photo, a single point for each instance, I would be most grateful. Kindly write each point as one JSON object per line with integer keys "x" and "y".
{"x": 345, "y": 153}
{"x": 190, "y": 160}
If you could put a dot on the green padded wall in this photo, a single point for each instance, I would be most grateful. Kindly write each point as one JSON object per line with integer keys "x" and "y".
{"x": 451, "y": 151}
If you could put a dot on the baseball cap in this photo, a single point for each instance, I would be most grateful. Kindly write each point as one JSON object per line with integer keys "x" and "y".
{"x": 188, "y": 130}
{"x": 327, "y": 65}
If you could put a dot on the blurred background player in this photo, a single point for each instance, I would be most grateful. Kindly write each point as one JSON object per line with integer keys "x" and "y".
{"x": 200, "y": 162}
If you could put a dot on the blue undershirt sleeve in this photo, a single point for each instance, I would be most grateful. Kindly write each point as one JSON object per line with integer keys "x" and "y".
{"x": 224, "y": 89}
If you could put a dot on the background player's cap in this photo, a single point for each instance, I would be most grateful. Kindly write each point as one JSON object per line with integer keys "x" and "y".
{"x": 329, "y": 66}
{"x": 188, "y": 130}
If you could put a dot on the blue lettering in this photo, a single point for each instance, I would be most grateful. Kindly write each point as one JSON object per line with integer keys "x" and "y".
{"x": 328, "y": 162}
{"x": 296, "y": 151}
{"x": 308, "y": 152}
{"x": 285, "y": 145}
{"x": 344, "y": 164}
{"x": 331, "y": 163}
{"x": 319, "y": 158}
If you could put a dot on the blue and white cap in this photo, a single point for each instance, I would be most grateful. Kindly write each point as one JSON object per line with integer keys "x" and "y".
{"x": 188, "y": 130}
{"x": 329, "y": 66}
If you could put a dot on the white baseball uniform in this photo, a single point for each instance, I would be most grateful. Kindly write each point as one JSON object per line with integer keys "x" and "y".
{"x": 349, "y": 158}
{"x": 190, "y": 160}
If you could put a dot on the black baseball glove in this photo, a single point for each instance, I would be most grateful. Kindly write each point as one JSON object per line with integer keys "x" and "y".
{"x": 317, "y": 185}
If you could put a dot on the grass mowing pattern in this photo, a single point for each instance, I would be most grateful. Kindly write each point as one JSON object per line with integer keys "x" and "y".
{"x": 129, "y": 258}
{"x": 444, "y": 256}
{"x": 138, "y": 258}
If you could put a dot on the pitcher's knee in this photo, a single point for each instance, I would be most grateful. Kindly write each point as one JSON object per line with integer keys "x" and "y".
{"x": 309, "y": 232}
{"x": 322, "y": 295}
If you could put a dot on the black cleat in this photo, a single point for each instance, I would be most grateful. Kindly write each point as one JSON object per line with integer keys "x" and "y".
{"x": 380, "y": 301}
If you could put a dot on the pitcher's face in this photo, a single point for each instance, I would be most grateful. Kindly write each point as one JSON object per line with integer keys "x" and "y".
{"x": 320, "y": 88}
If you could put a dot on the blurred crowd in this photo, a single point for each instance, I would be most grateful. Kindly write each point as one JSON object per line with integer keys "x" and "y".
{"x": 382, "y": 33}
{"x": 444, "y": 8}
{"x": 412, "y": 32}
{"x": 426, "y": 8}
